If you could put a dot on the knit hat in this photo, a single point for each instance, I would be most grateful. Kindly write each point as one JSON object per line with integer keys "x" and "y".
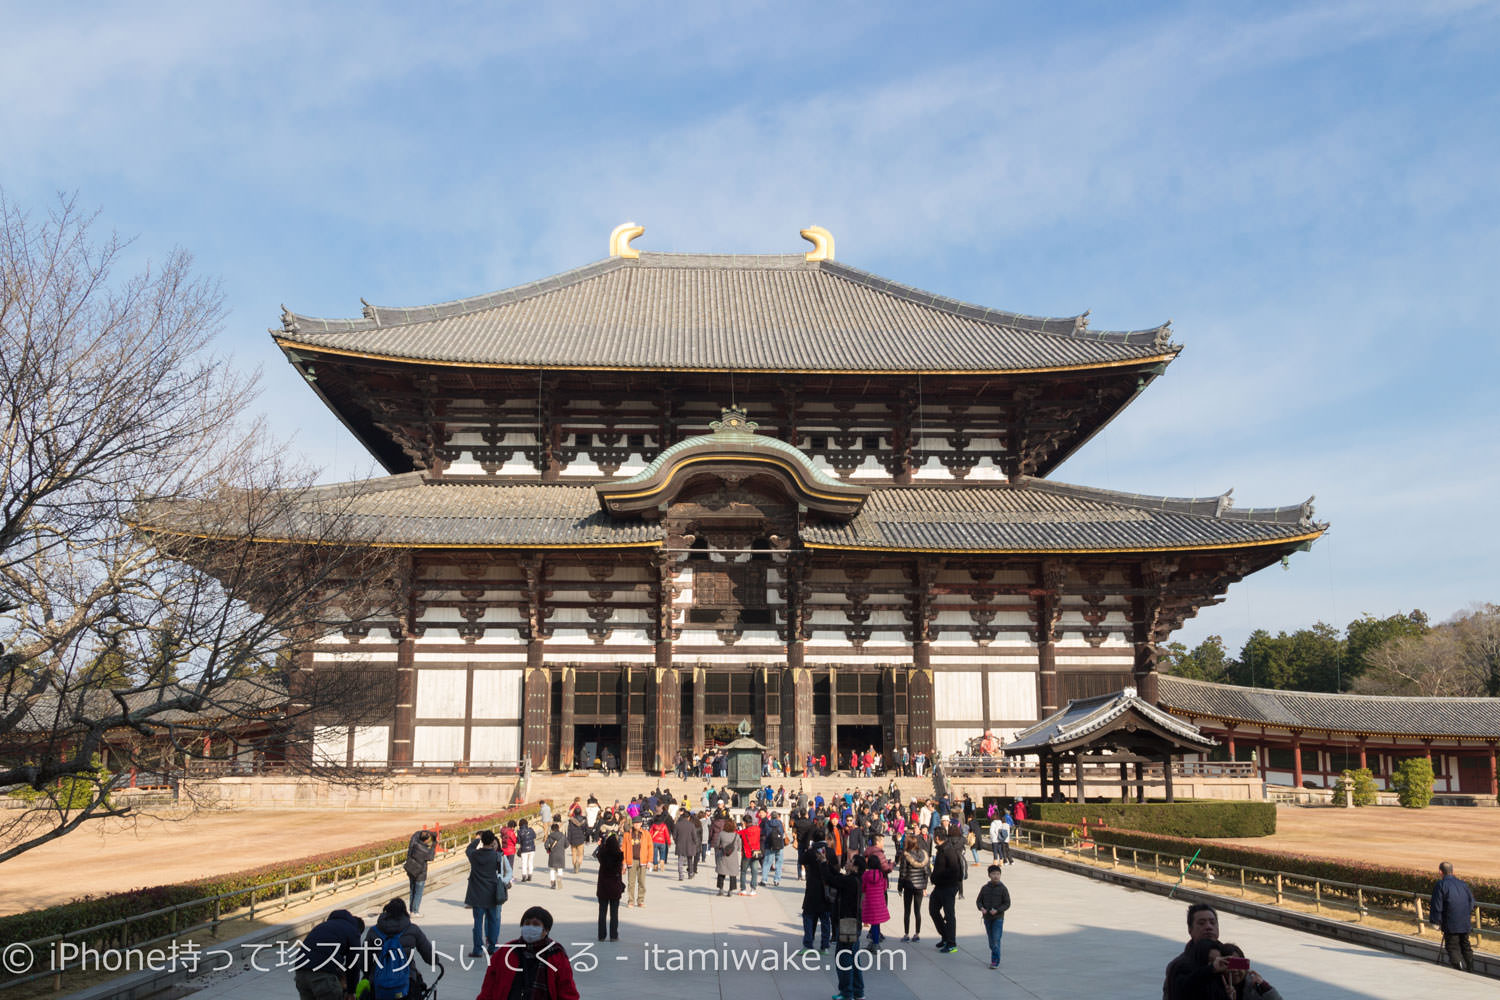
{"x": 538, "y": 913}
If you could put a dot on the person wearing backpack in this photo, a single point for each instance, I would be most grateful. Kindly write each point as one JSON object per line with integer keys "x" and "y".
{"x": 772, "y": 843}
{"x": 391, "y": 949}
{"x": 525, "y": 851}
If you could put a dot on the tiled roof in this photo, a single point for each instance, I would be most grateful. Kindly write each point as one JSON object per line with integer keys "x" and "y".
{"x": 1087, "y": 715}
{"x": 1375, "y": 715}
{"x": 235, "y": 699}
{"x": 719, "y": 312}
{"x": 1040, "y": 515}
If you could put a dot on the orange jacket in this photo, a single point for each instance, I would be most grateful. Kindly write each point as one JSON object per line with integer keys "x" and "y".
{"x": 637, "y": 845}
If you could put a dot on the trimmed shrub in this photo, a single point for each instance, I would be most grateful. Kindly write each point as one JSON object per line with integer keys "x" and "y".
{"x": 1361, "y": 781}
{"x": 1211, "y": 818}
{"x": 1413, "y": 782}
{"x": 90, "y": 911}
{"x": 1355, "y": 872}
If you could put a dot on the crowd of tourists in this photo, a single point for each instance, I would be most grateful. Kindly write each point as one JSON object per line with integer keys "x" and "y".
{"x": 845, "y": 848}
{"x": 869, "y": 763}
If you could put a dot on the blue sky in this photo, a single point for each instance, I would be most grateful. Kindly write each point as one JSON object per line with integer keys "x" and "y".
{"x": 1308, "y": 191}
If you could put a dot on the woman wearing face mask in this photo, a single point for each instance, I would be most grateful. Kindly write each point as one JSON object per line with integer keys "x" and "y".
{"x": 532, "y": 966}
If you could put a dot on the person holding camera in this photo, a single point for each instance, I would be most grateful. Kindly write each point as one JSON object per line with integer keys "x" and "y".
{"x": 845, "y": 883}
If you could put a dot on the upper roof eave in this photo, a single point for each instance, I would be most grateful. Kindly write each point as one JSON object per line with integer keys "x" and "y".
{"x": 347, "y": 336}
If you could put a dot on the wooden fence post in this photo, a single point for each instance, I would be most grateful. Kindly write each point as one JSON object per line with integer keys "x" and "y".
{"x": 1278, "y": 888}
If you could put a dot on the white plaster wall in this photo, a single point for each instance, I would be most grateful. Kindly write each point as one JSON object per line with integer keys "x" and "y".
{"x": 350, "y": 657}
{"x": 372, "y": 744}
{"x": 497, "y": 694}
{"x": 441, "y": 693}
{"x": 517, "y": 655}
{"x": 956, "y": 695}
{"x": 331, "y": 745}
{"x": 442, "y": 746}
{"x": 1013, "y": 696}
{"x": 951, "y": 741}
{"x": 490, "y": 745}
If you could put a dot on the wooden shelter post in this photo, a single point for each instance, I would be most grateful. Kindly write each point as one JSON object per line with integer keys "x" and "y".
{"x": 1078, "y": 774}
{"x": 1166, "y": 770}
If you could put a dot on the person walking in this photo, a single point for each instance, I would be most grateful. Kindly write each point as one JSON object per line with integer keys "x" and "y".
{"x": 556, "y": 845}
{"x": 817, "y": 909}
{"x": 486, "y": 892}
{"x": 635, "y": 844}
{"x": 751, "y": 857}
{"x": 997, "y": 856}
{"x": 947, "y": 873}
{"x": 772, "y": 843}
{"x": 1451, "y": 912}
{"x": 534, "y": 966}
{"x": 727, "y": 846}
{"x": 993, "y": 901}
{"x": 687, "y": 839}
{"x": 1007, "y": 831}
{"x": 578, "y": 835}
{"x": 420, "y": 851}
{"x": 611, "y": 885}
{"x": 875, "y": 883}
{"x": 661, "y": 836}
{"x": 911, "y": 881}
{"x": 525, "y": 851}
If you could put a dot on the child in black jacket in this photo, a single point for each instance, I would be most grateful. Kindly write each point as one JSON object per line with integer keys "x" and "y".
{"x": 993, "y": 901}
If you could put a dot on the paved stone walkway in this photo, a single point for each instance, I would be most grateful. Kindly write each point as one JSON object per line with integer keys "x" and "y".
{"x": 1066, "y": 937}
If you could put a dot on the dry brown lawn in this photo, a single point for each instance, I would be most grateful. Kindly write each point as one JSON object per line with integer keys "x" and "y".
{"x": 116, "y": 855}
{"x": 1389, "y": 835}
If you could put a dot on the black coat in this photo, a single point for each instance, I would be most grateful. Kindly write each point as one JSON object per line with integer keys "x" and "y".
{"x": 1452, "y": 905}
{"x": 485, "y": 888}
{"x": 418, "y": 854}
{"x": 814, "y": 901}
{"x": 332, "y": 946}
{"x": 611, "y": 884}
{"x": 947, "y": 864}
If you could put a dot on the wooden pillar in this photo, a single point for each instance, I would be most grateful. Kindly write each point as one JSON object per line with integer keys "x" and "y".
{"x": 700, "y": 708}
{"x": 1166, "y": 770}
{"x": 633, "y": 734}
{"x": 758, "y": 703}
{"x": 1229, "y": 738}
{"x": 1078, "y": 774}
{"x": 566, "y": 744}
{"x": 1124, "y": 783}
{"x": 1145, "y": 674}
{"x": 1494, "y": 780}
{"x": 1140, "y": 782}
{"x": 919, "y": 700}
{"x": 1296, "y": 760}
{"x": 665, "y": 704}
{"x": 1362, "y": 752}
{"x": 834, "y": 759}
{"x": 536, "y": 707}
{"x": 796, "y": 685}
{"x": 888, "y": 713}
{"x": 403, "y": 724}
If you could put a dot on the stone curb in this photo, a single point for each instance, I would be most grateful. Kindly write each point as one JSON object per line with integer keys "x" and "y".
{"x": 1400, "y": 944}
{"x": 141, "y": 985}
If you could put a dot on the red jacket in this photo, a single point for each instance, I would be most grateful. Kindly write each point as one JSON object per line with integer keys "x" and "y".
{"x": 557, "y": 970}
{"x": 749, "y": 840}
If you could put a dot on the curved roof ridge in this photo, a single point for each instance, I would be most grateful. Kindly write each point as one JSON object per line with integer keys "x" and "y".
{"x": 1220, "y": 506}
{"x": 377, "y": 317}
{"x": 1073, "y": 327}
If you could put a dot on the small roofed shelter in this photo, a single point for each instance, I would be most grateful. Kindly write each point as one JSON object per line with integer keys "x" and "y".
{"x": 1119, "y": 729}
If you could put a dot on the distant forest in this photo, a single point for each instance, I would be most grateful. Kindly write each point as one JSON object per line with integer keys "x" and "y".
{"x": 1403, "y": 654}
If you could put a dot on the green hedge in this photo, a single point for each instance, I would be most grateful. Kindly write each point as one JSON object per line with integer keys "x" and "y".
{"x": 89, "y": 911}
{"x": 1356, "y": 872}
{"x": 1211, "y": 818}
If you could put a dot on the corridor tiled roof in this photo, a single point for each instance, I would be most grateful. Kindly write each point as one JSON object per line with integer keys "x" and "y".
{"x": 1033, "y": 515}
{"x": 1084, "y": 716}
{"x": 716, "y": 312}
{"x": 1375, "y": 715}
